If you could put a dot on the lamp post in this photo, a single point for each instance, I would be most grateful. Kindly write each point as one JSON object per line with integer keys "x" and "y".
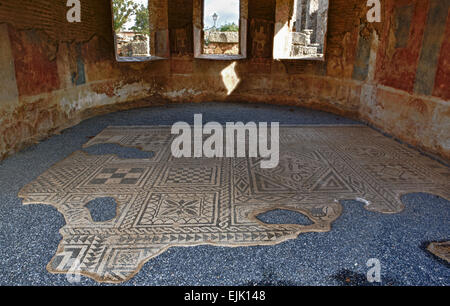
{"x": 215, "y": 16}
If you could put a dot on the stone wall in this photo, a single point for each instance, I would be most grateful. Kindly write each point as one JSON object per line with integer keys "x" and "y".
{"x": 216, "y": 42}
{"x": 311, "y": 17}
{"x": 132, "y": 44}
{"x": 393, "y": 75}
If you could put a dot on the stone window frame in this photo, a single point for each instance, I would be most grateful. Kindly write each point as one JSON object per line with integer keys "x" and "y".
{"x": 159, "y": 33}
{"x": 284, "y": 23}
{"x": 198, "y": 15}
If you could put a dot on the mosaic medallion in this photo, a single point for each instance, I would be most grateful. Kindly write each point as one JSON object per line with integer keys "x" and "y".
{"x": 164, "y": 202}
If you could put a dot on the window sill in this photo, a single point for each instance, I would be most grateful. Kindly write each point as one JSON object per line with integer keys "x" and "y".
{"x": 302, "y": 58}
{"x": 138, "y": 59}
{"x": 221, "y": 57}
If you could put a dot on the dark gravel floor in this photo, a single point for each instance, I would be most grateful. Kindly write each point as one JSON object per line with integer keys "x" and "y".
{"x": 29, "y": 234}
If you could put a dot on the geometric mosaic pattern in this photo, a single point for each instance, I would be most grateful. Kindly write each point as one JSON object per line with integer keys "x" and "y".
{"x": 163, "y": 201}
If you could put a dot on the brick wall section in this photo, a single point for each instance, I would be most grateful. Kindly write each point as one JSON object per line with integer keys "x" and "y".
{"x": 50, "y": 16}
{"x": 261, "y": 9}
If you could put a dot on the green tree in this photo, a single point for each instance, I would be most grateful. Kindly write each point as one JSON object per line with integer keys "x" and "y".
{"x": 122, "y": 10}
{"x": 229, "y": 27}
{"x": 142, "y": 24}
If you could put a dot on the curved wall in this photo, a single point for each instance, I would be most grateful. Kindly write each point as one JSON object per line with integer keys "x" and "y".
{"x": 54, "y": 74}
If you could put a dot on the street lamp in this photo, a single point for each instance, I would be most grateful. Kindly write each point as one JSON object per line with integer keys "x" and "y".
{"x": 215, "y": 16}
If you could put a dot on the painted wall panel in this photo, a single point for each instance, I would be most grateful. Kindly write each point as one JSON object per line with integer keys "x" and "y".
{"x": 9, "y": 96}
{"x": 397, "y": 61}
{"x": 35, "y": 62}
{"x": 431, "y": 46}
{"x": 442, "y": 81}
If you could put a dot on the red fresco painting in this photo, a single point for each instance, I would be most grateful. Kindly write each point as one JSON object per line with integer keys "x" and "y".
{"x": 396, "y": 66}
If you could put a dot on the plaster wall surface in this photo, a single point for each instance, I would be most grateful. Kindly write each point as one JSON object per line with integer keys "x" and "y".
{"x": 394, "y": 75}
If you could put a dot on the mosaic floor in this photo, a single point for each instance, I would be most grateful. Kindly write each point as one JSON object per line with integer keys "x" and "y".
{"x": 164, "y": 202}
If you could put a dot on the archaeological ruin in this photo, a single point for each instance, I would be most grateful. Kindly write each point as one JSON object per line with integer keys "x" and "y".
{"x": 357, "y": 97}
